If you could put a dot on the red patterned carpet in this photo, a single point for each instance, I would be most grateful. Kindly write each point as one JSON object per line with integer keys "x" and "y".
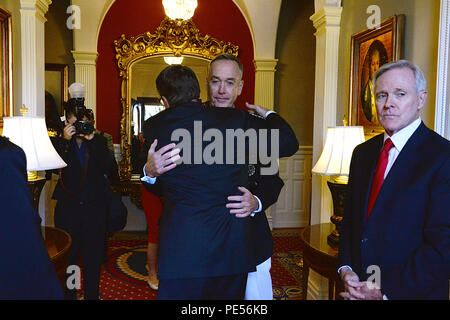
{"x": 124, "y": 275}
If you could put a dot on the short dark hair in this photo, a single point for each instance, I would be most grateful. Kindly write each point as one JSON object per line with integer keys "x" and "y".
{"x": 178, "y": 84}
{"x": 229, "y": 57}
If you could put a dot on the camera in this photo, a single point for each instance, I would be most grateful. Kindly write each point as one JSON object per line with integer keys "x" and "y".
{"x": 83, "y": 127}
{"x": 76, "y": 107}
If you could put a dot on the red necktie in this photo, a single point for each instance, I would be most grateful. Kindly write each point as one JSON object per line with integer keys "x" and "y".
{"x": 379, "y": 174}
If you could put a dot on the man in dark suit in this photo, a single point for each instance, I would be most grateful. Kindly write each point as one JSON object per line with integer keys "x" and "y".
{"x": 224, "y": 85}
{"x": 26, "y": 271}
{"x": 204, "y": 252}
{"x": 395, "y": 235}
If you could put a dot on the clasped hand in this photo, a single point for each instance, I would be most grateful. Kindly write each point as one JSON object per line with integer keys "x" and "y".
{"x": 358, "y": 290}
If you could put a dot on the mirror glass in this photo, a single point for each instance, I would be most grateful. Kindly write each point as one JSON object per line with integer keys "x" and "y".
{"x": 145, "y": 100}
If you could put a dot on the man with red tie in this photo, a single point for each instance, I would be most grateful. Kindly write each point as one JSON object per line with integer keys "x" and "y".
{"x": 395, "y": 235}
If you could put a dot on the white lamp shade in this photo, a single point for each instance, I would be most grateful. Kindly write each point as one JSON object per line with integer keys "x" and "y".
{"x": 337, "y": 153}
{"x": 179, "y": 9}
{"x": 30, "y": 133}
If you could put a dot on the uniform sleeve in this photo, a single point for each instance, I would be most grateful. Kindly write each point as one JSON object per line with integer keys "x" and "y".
{"x": 267, "y": 188}
{"x": 280, "y": 136}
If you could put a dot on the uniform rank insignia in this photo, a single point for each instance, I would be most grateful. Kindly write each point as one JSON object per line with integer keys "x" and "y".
{"x": 251, "y": 170}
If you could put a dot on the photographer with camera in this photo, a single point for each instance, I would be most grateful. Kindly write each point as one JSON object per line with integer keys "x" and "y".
{"x": 81, "y": 191}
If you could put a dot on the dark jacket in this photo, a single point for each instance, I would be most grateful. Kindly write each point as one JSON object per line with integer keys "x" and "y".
{"x": 78, "y": 183}
{"x": 26, "y": 271}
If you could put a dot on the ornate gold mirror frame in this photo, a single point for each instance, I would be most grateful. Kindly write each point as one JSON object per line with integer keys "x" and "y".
{"x": 172, "y": 38}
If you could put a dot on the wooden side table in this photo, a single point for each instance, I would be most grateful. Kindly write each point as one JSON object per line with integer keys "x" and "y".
{"x": 321, "y": 257}
{"x": 57, "y": 243}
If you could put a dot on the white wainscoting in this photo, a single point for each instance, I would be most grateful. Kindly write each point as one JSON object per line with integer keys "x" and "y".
{"x": 294, "y": 203}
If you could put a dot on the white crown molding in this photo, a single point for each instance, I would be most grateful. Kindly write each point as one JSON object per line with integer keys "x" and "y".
{"x": 85, "y": 57}
{"x": 37, "y": 8}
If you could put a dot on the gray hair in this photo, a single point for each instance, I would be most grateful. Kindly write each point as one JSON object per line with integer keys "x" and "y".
{"x": 229, "y": 57}
{"x": 421, "y": 83}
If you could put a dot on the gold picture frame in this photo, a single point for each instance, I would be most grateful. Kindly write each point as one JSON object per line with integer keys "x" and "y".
{"x": 370, "y": 49}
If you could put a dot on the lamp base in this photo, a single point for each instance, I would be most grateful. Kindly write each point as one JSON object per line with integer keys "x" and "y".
{"x": 35, "y": 186}
{"x": 333, "y": 239}
{"x": 338, "y": 190}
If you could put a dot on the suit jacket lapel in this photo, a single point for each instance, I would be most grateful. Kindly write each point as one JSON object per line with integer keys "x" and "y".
{"x": 401, "y": 168}
{"x": 368, "y": 173}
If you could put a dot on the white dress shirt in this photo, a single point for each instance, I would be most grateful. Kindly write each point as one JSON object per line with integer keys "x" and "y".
{"x": 399, "y": 139}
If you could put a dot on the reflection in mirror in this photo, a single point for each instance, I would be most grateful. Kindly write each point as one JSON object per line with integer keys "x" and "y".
{"x": 145, "y": 101}
{"x": 143, "y": 108}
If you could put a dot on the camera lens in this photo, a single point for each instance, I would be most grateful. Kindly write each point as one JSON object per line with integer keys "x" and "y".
{"x": 87, "y": 128}
{"x": 83, "y": 127}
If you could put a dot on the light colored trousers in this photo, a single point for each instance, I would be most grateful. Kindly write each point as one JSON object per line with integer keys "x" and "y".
{"x": 259, "y": 283}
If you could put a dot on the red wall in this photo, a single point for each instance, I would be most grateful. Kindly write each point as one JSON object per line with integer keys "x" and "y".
{"x": 220, "y": 19}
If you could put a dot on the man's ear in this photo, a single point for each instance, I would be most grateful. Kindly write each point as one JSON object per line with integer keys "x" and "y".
{"x": 165, "y": 102}
{"x": 241, "y": 85}
{"x": 423, "y": 95}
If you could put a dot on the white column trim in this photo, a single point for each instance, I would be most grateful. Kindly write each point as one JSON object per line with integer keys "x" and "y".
{"x": 326, "y": 20}
{"x": 86, "y": 73}
{"x": 265, "y": 82}
{"x": 265, "y": 94}
{"x": 442, "y": 110}
{"x": 32, "y": 30}
{"x": 327, "y": 23}
{"x": 32, "y": 19}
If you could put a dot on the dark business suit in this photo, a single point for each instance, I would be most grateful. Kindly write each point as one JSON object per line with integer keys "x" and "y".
{"x": 408, "y": 232}
{"x": 26, "y": 271}
{"x": 82, "y": 204}
{"x": 198, "y": 236}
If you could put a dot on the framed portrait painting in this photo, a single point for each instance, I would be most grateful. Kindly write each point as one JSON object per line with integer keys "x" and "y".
{"x": 56, "y": 86}
{"x": 370, "y": 49}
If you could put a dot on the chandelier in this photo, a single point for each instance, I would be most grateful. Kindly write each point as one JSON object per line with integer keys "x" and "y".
{"x": 173, "y": 60}
{"x": 179, "y": 9}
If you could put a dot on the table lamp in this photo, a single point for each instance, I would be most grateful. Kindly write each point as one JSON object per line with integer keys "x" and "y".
{"x": 30, "y": 133}
{"x": 335, "y": 161}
